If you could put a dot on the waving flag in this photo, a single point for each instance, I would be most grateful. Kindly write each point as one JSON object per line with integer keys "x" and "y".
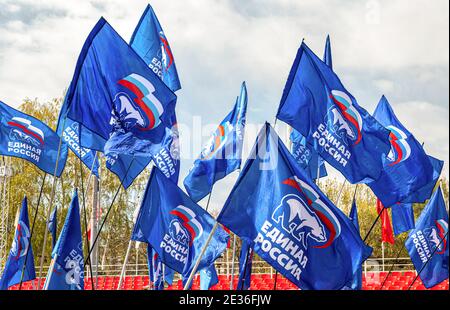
{"x": 150, "y": 42}
{"x": 128, "y": 105}
{"x": 71, "y": 135}
{"x": 127, "y": 168}
{"x": 208, "y": 278}
{"x": 294, "y": 226}
{"x": 24, "y": 136}
{"x": 176, "y": 227}
{"x": 67, "y": 267}
{"x": 316, "y": 104}
{"x": 431, "y": 236}
{"x": 222, "y": 154}
{"x": 424, "y": 193}
{"x": 158, "y": 273}
{"x": 52, "y": 224}
{"x": 387, "y": 234}
{"x": 407, "y": 167}
{"x": 356, "y": 283}
{"x": 245, "y": 266}
{"x": 402, "y": 218}
{"x": 16, "y": 259}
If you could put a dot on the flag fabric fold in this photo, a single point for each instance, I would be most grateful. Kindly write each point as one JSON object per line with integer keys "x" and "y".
{"x": 294, "y": 226}
{"x": 176, "y": 227}
{"x": 402, "y": 218}
{"x": 18, "y": 253}
{"x": 158, "y": 273}
{"x": 316, "y": 104}
{"x": 26, "y": 137}
{"x": 356, "y": 283}
{"x": 208, "y": 278}
{"x": 222, "y": 154}
{"x": 245, "y": 266}
{"x": 427, "y": 244}
{"x": 52, "y": 225}
{"x": 67, "y": 267}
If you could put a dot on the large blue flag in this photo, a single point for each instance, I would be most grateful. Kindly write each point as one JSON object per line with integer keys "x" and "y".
{"x": 208, "y": 277}
{"x": 356, "y": 283}
{"x": 222, "y": 154}
{"x": 430, "y": 237}
{"x": 176, "y": 227}
{"x": 150, "y": 42}
{"x": 71, "y": 135}
{"x": 423, "y": 194}
{"x": 158, "y": 273}
{"x": 402, "y": 218}
{"x": 294, "y": 226}
{"x": 245, "y": 266}
{"x": 67, "y": 267}
{"x": 26, "y": 137}
{"x": 316, "y": 104}
{"x": 16, "y": 259}
{"x": 406, "y": 166}
{"x": 52, "y": 225}
{"x": 128, "y": 105}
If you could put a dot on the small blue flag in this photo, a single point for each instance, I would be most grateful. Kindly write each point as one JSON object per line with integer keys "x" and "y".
{"x": 427, "y": 243}
{"x": 245, "y": 266}
{"x": 67, "y": 267}
{"x": 16, "y": 259}
{"x": 402, "y": 218}
{"x": 208, "y": 277}
{"x": 356, "y": 283}
{"x": 158, "y": 273}
{"x": 293, "y": 226}
{"x": 26, "y": 137}
{"x": 222, "y": 154}
{"x": 52, "y": 225}
{"x": 327, "y": 58}
{"x": 71, "y": 135}
{"x": 406, "y": 167}
{"x": 424, "y": 193}
{"x": 316, "y": 104}
{"x": 176, "y": 227}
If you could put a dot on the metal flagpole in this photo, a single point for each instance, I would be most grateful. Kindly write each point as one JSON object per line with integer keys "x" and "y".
{"x": 124, "y": 266}
{"x": 32, "y": 230}
{"x": 428, "y": 260}
{"x": 374, "y": 223}
{"x": 50, "y": 272}
{"x": 52, "y": 197}
{"x": 232, "y": 261}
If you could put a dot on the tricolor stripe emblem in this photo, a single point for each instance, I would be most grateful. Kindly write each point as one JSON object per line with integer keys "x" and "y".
{"x": 345, "y": 105}
{"x": 187, "y": 217}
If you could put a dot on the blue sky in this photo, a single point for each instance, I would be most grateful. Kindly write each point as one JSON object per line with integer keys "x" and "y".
{"x": 397, "y": 48}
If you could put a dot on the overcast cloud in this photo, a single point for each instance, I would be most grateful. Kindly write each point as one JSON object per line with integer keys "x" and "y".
{"x": 398, "y": 48}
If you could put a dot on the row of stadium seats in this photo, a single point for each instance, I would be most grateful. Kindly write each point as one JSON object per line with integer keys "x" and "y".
{"x": 371, "y": 281}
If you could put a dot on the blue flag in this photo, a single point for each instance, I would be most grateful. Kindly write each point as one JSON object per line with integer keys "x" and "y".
{"x": 18, "y": 253}
{"x": 316, "y": 104}
{"x": 26, "y": 137}
{"x": 306, "y": 157}
{"x": 67, "y": 268}
{"x": 222, "y": 154}
{"x": 327, "y": 58}
{"x": 150, "y": 42}
{"x": 129, "y": 107}
{"x": 52, "y": 225}
{"x": 158, "y": 273}
{"x": 431, "y": 236}
{"x": 356, "y": 283}
{"x": 294, "y": 226}
{"x": 127, "y": 168}
{"x": 176, "y": 227}
{"x": 424, "y": 193}
{"x": 208, "y": 277}
{"x": 245, "y": 266}
{"x": 402, "y": 218}
{"x": 406, "y": 166}
{"x": 71, "y": 135}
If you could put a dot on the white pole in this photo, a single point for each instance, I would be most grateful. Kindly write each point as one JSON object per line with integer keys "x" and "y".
{"x": 232, "y": 262}
{"x": 197, "y": 263}
{"x": 382, "y": 253}
{"x": 122, "y": 273}
{"x": 50, "y": 272}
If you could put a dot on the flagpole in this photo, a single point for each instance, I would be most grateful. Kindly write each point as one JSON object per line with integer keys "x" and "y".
{"x": 86, "y": 223}
{"x": 374, "y": 223}
{"x": 197, "y": 263}
{"x": 122, "y": 272}
{"x": 32, "y": 230}
{"x": 232, "y": 261}
{"x": 52, "y": 197}
{"x": 428, "y": 260}
{"x": 50, "y": 272}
